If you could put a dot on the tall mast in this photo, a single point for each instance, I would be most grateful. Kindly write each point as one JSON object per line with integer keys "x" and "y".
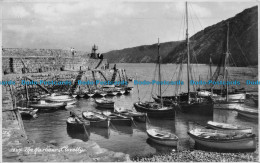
{"x": 210, "y": 73}
{"x": 159, "y": 62}
{"x": 188, "y": 52}
{"x": 226, "y": 61}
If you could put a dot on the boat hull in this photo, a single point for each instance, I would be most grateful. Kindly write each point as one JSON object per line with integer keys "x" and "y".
{"x": 162, "y": 141}
{"x": 101, "y": 124}
{"x": 155, "y": 113}
{"x": 49, "y": 106}
{"x": 232, "y": 145}
{"x": 249, "y": 115}
{"x": 105, "y": 105}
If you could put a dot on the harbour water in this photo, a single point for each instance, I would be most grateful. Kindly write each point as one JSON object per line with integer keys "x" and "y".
{"x": 51, "y": 127}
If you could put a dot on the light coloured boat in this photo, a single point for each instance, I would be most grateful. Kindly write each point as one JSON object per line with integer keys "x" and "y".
{"x": 104, "y": 103}
{"x": 163, "y": 138}
{"x": 230, "y": 127}
{"x": 223, "y": 140}
{"x": 44, "y": 105}
{"x": 56, "y": 97}
{"x": 138, "y": 116}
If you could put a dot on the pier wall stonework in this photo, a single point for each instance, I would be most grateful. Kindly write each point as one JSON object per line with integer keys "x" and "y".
{"x": 45, "y": 60}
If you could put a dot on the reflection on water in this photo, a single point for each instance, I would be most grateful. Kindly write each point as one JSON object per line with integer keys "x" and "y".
{"x": 131, "y": 140}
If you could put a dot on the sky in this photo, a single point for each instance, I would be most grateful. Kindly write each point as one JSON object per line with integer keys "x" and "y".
{"x": 110, "y": 24}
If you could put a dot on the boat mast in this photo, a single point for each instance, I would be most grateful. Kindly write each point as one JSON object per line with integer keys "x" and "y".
{"x": 210, "y": 73}
{"x": 188, "y": 52}
{"x": 226, "y": 61}
{"x": 159, "y": 62}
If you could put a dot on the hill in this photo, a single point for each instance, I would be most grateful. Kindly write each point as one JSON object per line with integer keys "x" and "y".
{"x": 243, "y": 41}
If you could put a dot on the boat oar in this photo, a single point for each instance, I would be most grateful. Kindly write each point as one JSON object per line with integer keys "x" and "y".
{"x": 75, "y": 115}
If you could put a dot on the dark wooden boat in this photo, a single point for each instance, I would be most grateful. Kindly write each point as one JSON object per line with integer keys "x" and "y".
{"x": 224, "y": 140}
{"x": 53, "y": 105}
{"x": 229, "y": 127}
{"x": 104, "y": 103}
{"x": 96, "y": 120}
{"x": 162, "y": 138}
{"x": 137, "y": 116}
{"x": 77, "y": 123}
{"x": 154, "y": 110}
{"x": 118, "y": 119}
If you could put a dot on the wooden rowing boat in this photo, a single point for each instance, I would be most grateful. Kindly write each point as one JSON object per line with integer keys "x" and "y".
{"x": 162, "y": 138}
{"x": 104, "y": 103}
{"x": 96, "y": 120}
{"x": 76, "y": 123}
{"x": 137, "y": 116}
{"x": 223, "y": 140}
{"x": 230, "y": 127}
{"x": 44, "y": 105}
{"x": 117, "y": 119}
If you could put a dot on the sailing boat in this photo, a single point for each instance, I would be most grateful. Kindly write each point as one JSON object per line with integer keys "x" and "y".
{"x": 154, "y": 109}
{"x": 195, "y": 104}
{"x": 234, "y": 95}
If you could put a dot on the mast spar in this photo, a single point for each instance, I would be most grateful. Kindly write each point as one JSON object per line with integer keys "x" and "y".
{"x": 188, "y": 52}
{"x": 226, "y": 61}
{"x": 159, "y": 62}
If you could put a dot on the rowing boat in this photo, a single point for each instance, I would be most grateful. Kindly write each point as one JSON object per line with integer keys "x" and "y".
{"x": 230, "y": 127}
{"x": 44, "y": 105}
{"x": 162, "y": 138}
{"x": 104, "y": 103}
{"x": 223, "y": 140}
{"x": 78, "y": 124}
{"x": 96, "y": 120}
{"x": 138, "y": 116}
{"x": 118, "y": 119}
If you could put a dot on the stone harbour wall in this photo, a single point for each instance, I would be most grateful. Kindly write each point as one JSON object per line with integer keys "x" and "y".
{"x": 44, "y": 60}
